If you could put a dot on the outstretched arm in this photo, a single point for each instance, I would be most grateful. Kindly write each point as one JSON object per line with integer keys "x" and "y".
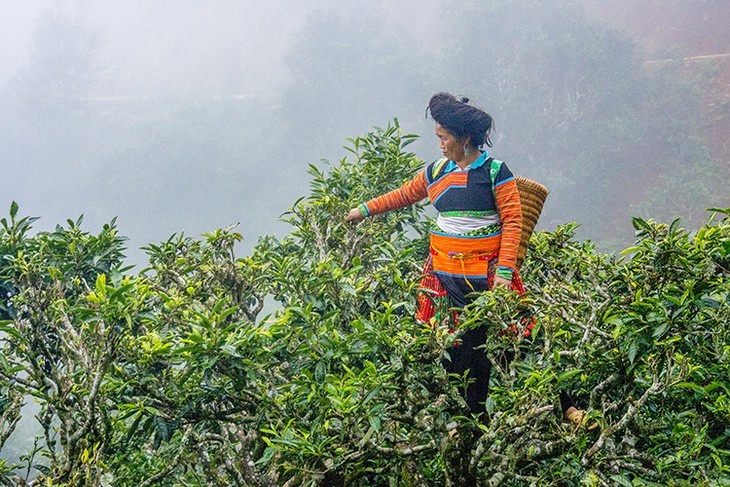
{"x": 411, "y": 192}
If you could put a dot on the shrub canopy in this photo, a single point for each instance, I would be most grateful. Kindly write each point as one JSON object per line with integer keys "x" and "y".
{"x": 302, "y": 364}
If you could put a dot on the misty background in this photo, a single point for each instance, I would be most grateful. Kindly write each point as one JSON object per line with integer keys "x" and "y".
{"x": 184, "y": 116}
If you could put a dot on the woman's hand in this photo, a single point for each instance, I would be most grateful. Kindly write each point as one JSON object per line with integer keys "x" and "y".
{"x": 502, "y": 282}
{"x": 354, "y": 216}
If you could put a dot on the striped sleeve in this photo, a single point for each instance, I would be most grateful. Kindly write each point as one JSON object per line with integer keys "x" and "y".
{"x": 510, "y": 212}
{"x": 411, "y": 192}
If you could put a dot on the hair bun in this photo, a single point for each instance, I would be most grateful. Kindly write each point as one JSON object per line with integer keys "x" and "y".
{"x": 460, "y": 119}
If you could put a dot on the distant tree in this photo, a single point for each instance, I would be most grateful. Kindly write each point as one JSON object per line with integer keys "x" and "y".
{"x": 349, "y": 69}
{"x": 61, "y": 72}
{"x": 45, "y": 124}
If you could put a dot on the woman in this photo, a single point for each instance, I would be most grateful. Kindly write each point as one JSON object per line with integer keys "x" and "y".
{"x": 475, "y": 238}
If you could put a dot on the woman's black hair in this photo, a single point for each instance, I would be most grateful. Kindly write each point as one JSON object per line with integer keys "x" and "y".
{"x": 460, "y": 119}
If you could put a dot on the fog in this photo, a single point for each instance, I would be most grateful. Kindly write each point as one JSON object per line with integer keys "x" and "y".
{"x": 188, "y": 116}
{"x": 183, "y": 116}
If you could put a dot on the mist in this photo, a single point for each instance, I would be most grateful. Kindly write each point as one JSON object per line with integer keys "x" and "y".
{"x": 186, "y": 116}
{"x": 183, "y": 117}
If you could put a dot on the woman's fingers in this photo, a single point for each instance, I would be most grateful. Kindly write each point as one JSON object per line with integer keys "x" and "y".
{"x": 502, "y": 283}
{"x": 354, "y": 216}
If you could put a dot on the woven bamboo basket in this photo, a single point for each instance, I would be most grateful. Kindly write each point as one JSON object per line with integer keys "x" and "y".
{"x": 532, "y": 199}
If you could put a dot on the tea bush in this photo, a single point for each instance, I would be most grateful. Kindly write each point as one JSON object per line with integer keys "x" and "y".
{"x": 302, "y": 363}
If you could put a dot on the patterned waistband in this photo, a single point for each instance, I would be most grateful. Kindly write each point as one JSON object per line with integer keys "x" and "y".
{"x": 479, "y": 232}
{"x": 462, "y": 256}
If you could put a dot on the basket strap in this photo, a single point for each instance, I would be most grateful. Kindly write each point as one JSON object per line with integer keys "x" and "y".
{"x": 494, "y": 168}
{"x": 437, "y": 166}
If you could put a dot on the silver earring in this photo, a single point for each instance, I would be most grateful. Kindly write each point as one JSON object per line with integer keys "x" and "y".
{"x": 466, "y": 149}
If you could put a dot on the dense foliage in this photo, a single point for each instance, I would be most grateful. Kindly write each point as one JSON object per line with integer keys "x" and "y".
{"x": 175, "y": 376}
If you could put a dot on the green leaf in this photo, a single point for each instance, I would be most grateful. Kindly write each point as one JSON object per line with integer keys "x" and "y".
{"x": 613, "y": 319}
{"x": 569, "y": 374}
{"x": 397, "y": 279}
{"x": 152, "y": 410}
{"x": 161, "y": 429}
{"x": 490, "y": 405}
{"x": 132, "y": 431}
{"x": 640, "y": 224}
{"x": 693, "y": 386}
{"x": 660, "y": 330}
{"x": 633, "y": 349}
{"x": 622, "y": 480}
{"x": 320, "y": 372}
{"x": 630, "y": 250}
{"x": 101, "y": 282}
{"x": 268, "y": 454}
{"x": 120, "y": 291}
{"x": 710, "y": 302}
{"x": 367, "y": 436}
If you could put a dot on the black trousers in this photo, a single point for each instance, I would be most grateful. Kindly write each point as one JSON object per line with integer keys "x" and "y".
{"x": 467, "y": 357}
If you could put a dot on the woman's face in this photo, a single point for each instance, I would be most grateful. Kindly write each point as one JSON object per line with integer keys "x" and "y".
{"x": 451, "y": 147}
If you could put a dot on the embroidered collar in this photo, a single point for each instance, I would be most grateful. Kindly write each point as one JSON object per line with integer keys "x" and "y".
{"x": 452, "y": 166}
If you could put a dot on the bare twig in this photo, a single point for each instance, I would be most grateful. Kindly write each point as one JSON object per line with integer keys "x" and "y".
{"x": 9, "y": 419}
{"x": 404, "y": 452}
{"x": 606, "y": 432}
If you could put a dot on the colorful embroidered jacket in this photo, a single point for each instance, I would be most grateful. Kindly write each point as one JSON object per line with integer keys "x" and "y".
{"x": 482, "y": 201}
